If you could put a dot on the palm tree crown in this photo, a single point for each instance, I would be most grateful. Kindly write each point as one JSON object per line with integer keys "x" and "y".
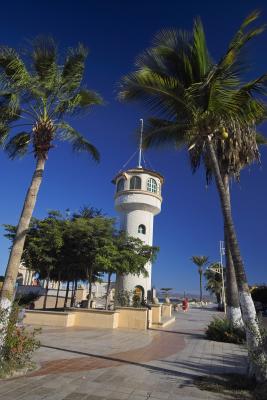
{"x": 42, "y": 94}
{"x": 200, "y": 262}
{"x": 197, "y": 97}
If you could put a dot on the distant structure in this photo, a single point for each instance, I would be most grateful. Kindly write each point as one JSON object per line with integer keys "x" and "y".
{"x": 138, "y": 199}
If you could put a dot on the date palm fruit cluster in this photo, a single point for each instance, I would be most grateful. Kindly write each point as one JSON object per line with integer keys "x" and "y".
{"x": 43, "y": 135}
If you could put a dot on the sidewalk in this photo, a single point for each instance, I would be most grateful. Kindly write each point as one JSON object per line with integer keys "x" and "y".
{"x": 82, "y": 364}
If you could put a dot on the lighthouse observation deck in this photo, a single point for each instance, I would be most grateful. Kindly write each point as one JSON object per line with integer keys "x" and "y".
{"x": 138, "y": 188}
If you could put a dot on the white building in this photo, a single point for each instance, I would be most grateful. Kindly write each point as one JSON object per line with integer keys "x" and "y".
{"x": 138, "y": 199}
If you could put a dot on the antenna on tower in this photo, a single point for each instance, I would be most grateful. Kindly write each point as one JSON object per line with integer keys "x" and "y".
{"x": 140, "y": 143}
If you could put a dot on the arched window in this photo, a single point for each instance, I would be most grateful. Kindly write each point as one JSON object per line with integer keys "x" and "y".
{"x": 120, "y": 185}
{"x": 135, "y": 182}
{"x": 142, "y": 229}
{"x": 152, "y": 185}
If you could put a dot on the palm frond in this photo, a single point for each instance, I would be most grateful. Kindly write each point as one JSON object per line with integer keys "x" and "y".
{"x": 4, "y": 131}
{"x": 200, "y": 51}
{"x": 230, "y": 62}
{"x": 161, "y": 94}
{"x": 73, "y": 69}
{"x": 200, "y": 260}
{"x": 158, "y": 132}
{"x": 18, "y": 145}
{"x": 13, "y": 67}
{"x": 79, "y": 143}
{"x": 44, "y": 57}
{"x": 261, "y": 139}
{"x": 239, "y": 36}
{"x": 83, "y": 100}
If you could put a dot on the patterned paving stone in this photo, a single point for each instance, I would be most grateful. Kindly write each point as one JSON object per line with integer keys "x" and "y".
{"x": 126, "y": 365}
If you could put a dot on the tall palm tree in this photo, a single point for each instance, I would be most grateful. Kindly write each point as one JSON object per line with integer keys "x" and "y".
{"x": 200, "y": 262}
{"x": 205, "y": 105}
{"x": 42, "y": 93}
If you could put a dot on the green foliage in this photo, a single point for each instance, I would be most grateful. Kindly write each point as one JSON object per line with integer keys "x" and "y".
{"x": 200, "y": 262}
{"x": 123, "y": 298}
{"x": 221, "y": 330}
{"x": 191, "y": 97}
{"x": 81, "y": 247}
{"x": 214, "y": 281}
{"x": 18, "y": 346}
{"x": 41, "y": 93}
{"x": 26, "y": 299}
{"x": 136, "y": 301}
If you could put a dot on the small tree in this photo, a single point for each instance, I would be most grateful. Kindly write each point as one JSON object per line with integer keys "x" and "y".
{"x": 214, "y": 282}
{"x": 165, "y": 292}
{"x": 124, "y": 255}
{"x": 200, "y": 262}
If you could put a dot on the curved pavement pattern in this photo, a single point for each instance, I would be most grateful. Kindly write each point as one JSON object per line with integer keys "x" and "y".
{"x": 82, "y": 364}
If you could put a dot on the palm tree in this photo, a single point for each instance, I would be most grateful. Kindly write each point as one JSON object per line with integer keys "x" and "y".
{"x": 200, "y": 262}
{"x": 42, "y": 94}
{"x": 214, "y": 281}
{"x": 206, "y": 106}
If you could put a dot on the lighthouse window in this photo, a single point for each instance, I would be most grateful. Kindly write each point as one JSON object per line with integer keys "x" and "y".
{"x": 142, "y": 229}
{"x": 135, "y": 182}
{"x": 120, "y": 185}
{"x": 152, "y": 185}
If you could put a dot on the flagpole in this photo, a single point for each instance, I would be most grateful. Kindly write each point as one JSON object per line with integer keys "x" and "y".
{"x": 141, "y": 143}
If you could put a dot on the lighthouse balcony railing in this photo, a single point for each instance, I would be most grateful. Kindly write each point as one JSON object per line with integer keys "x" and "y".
{"x": 138, "y": 191}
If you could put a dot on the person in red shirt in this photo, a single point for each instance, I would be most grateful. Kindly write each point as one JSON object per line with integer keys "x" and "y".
{"x": 185, "y": 304}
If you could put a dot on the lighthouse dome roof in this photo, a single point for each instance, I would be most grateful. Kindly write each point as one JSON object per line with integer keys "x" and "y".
{"x": 137, "y": 171}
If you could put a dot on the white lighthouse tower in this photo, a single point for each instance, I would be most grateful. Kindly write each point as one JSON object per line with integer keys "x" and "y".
{"x": 138, "y": 199}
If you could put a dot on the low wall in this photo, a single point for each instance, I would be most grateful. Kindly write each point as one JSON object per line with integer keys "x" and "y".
{"x": 92, "y": 318}
{"x": 156, "y": 313}
{"x": 132, "y": 318}
{"x": 49, "y": 318}
{"x": 166, "y": 310}
{"x": 124, "y": 317}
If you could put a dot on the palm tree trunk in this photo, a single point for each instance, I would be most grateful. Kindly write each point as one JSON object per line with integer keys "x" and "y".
{"x": 89, "y": 277}
{"x": 200, "y": 286}
{"x": 108, "y": 289}
{"x": 257, "y": 359}
{"x": 67, "y": 294}
{"x": 73, "y": 296}
{"x": 75, "y": 291}
{"x": 58, "y": 288}
{"x": 233, "y": 310}
{"x": 46, "y": 292}
{"x": 7, "y": 292}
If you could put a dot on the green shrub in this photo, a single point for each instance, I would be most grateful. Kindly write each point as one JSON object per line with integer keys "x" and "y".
{"x": 123, "y": 298}
{"x": 259, "y": 294}
{"x": 221, "y": 330}
{"x": 136, "y": 301}
{"x": 19, "y": 344}
{"x": 27, "y": 299}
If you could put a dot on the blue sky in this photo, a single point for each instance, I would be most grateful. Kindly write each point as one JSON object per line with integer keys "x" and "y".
{"x": 116, "y": 32}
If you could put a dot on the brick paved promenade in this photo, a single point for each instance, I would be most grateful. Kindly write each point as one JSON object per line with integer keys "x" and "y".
{"x": 82, "y": 364}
